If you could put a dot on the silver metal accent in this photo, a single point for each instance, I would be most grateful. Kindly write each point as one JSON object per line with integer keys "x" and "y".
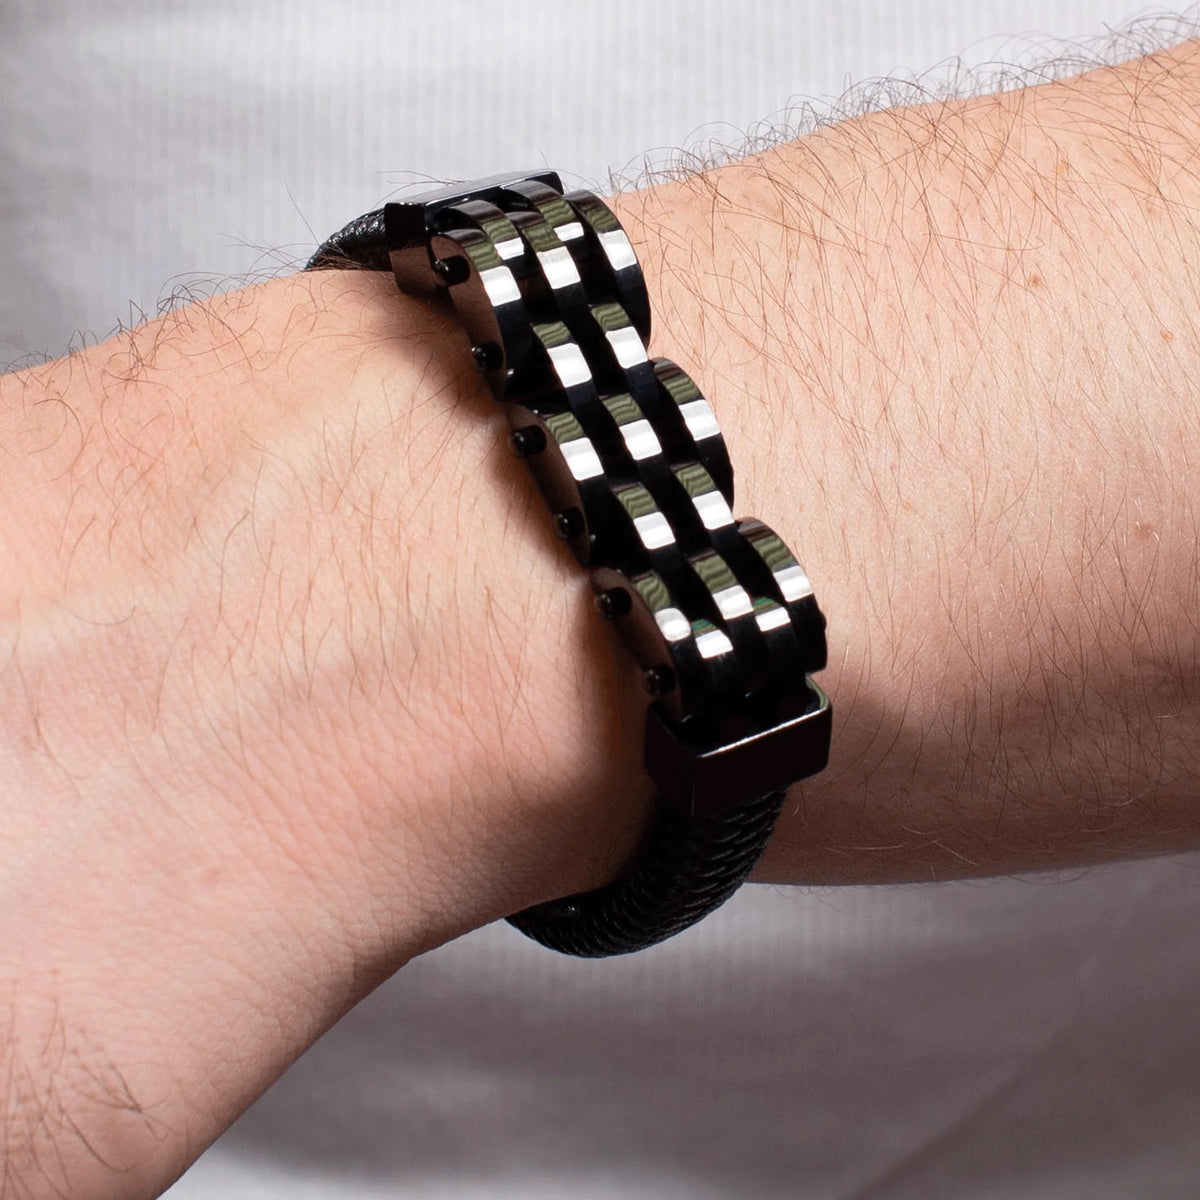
{"x": 512, "y": 247}
{"x": 713, "y": 510}
{"x": 772, "y": 618}
{"x": 617, "y": 249}
{"x": 793, "y": 583}
{"x": 713, "y": 643}
{"x": 654, "y": 529}
{"x": 500, "y": 285}
{"x": 627, "y": 346}
{"x": 582, "y": 459}
{"x": 700, "y": 419}
{"x": 640, "y": 439}
{"x": 734, "y": 601}
{"x": 569, "y": 364}
{"x": 559, "y": 267}
{"x": 674, "y": 625}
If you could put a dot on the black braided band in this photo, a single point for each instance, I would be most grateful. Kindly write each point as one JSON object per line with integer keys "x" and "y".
{"x": 361, "y": 243}
{"x": 686, "y": 869}
{"x": 631, "y": 462}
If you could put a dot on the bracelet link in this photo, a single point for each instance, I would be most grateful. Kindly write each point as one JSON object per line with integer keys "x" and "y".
{"x": 631, "y": 463}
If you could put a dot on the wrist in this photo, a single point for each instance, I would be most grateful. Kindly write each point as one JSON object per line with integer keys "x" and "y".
{"x": 285, "y": 714}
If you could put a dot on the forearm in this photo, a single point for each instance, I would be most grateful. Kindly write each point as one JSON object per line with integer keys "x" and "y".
{"x": 955, "y": 350}
{"x": 296, "y": 677}
{"x": 268, "y": 602}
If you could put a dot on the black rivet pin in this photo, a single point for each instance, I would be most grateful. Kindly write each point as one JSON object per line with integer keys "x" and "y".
{"x": 658, "y": 680}
{"x": 527, "y": 441}
{"x": 613, "y": 603}
{"x": 487, "y": 356}
{"x": 451, "y": 270}
{"x": 568, "y": 523}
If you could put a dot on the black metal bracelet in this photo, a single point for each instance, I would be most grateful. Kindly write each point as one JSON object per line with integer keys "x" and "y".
{"x": 631, "y": 462}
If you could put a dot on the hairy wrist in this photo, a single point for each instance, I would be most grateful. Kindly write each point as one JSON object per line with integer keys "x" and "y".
{"x": 288, "y": 699}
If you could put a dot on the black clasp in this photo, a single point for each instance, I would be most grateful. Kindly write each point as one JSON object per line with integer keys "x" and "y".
{"x": 701, "y": 779}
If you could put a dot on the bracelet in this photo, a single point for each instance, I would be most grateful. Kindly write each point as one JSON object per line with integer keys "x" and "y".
{"x": 630, "y": 460}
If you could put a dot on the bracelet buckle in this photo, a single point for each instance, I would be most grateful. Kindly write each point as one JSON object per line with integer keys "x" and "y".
{"x": 701, "y": 777}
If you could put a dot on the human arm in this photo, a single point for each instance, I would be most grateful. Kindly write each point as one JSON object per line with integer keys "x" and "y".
{"x": 281, "y": 712}
{"x": 958, "y": 343}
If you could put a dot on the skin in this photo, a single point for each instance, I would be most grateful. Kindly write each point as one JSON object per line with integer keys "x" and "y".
{"x": 296, "y": 683}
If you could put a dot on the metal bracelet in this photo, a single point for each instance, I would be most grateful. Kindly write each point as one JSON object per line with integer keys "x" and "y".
{"x": 631, "y": 462}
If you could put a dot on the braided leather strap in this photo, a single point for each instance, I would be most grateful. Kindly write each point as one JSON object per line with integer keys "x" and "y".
{"x": 686, "y": 869}
{"x": 631, "y": 462}
{"x": 361, "y": 243}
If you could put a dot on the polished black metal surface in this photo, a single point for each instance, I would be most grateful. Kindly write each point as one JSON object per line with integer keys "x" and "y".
{"x": 630, "y": 460}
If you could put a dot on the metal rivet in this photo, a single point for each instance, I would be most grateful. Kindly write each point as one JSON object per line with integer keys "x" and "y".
{"x": 568, "y": 523}
{"x": 451, "y": 270}
{"x": 658, "y": 680}
{"x": 613, "y": 603}
{"x": 487, "y": 356}
{"x": 530, "y": 439}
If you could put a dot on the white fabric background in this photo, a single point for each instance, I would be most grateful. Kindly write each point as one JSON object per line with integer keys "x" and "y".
{"x": 995, "y": 1041}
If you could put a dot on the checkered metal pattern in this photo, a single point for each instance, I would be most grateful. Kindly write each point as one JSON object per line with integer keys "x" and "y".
{"x": 627, "y": 451}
